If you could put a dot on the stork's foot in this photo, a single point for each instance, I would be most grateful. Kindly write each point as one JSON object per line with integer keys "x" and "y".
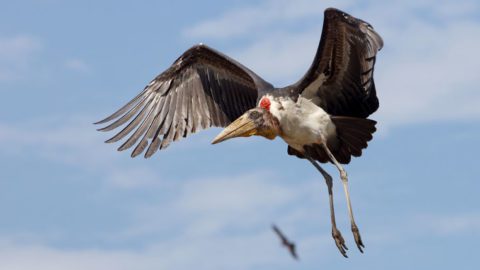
{"x": 358, "y": 239}
{"x": 340, "y": 242}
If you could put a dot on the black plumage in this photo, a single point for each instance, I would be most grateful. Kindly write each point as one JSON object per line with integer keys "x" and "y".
{"x": 345, "y": 59}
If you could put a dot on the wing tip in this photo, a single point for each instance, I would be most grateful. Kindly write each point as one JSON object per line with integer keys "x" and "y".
{"x": 331, "y": 13}
{"x": 103, "y": 121}
{"x": 331, "y": 10}
{"x": 104, "y": 129}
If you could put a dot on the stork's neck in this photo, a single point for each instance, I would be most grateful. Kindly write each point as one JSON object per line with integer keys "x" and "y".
{"x": 271, "y": 120}
{"x": 274, "y": 105}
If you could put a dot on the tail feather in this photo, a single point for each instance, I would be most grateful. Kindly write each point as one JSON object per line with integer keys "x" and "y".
{"x": 353, "y": 134}
{"x": 354, "y": 142}
{"x": 362, "y": 132}
{"x": 343, "y": 155}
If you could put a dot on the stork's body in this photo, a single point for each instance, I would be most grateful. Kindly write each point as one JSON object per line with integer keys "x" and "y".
{"x": 302, "y": 122}
{"x": 322, "y": 117}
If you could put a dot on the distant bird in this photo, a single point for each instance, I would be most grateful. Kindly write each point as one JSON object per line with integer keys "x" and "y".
{"x": 285, "y": 242}
{"x": 322, "y": 117}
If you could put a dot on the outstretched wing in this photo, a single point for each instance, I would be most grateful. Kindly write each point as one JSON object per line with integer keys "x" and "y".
{"x": 202, "y": 88}
{"x": 279, "y": 234}
{"x": 340, "y": 79}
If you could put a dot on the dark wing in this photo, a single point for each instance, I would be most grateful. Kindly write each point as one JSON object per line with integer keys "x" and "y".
{"x": 293, "y": 251}
{"x": 279, "y": 234}
{"x": 340, "y": 79}
{"x": 202, "y": 88}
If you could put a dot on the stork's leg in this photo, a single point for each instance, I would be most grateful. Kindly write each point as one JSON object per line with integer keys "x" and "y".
{"x": 343, "y": 176}
{"x": 337, "y": 236}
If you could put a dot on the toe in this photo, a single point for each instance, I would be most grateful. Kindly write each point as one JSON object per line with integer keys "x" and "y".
{"x": 358, "y": 238}
{"x": 340, "y": 242}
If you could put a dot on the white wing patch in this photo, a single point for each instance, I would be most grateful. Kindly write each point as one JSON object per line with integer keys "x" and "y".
{"x": 311, "y": 91}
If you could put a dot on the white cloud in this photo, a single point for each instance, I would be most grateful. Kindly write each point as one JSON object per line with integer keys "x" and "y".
{"x": 208, "y": 206}
{"x": 428, "y": 73}
{"x": 248, "y": 249}
{"x": 451, "y": 224}
{"x": 73, "y": 141}
{"x": 282, "y": 57}
{"x": 135, "y": 177}
{"x": 76, "y": 64}
{"x": 255, "y": 249}
{"x": 16, "y": 55}
{"x": 70, "y": 140}
{"x": 228, "y": 217}
{"x": 237, "y": 194}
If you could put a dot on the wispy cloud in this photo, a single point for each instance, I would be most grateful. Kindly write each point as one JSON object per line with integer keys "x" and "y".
{"x": 446, "y": 225}
{"x": 283, "y": 57}
{"x": 211, "y": 205}
{"x": 77, "y": 64}
{"x": 227, "y": 216}
{"x": 68, "y": 140}
{"x": 426, "y": 72}
{"x": 166, "y": 255}
{"x": 239, "y": 194}
{"x": 133, "y": 177}
{"x": 16, "y": 54}
{"x": 73, "y": 141}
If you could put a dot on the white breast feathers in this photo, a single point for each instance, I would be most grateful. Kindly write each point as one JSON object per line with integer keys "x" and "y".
{"x": 302, "y": 122}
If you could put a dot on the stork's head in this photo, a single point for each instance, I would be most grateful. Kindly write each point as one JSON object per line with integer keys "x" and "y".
{"x": 257, "y": 121}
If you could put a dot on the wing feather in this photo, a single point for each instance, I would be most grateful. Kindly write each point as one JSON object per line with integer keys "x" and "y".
{"x": 202, "y": 88}
{"x": 167, "y": 125}
{"x": 124, "y": 108}
{"x": 149, "y": 123}
{"x": 141, "y": 129}
{"x": 340, "y": 79}
{"x": 127, "y": 116}
{"x": 132, "y": 125}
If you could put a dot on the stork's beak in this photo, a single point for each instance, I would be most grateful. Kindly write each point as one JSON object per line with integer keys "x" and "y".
{"x": 242, "y": 127}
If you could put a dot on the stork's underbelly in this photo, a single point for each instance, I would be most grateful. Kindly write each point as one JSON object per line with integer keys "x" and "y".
{"x": 302, "y": 136}
{"x": 297, "y": 143}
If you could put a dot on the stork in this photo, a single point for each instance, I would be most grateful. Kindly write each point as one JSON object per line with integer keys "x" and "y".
{"x": 322, "y": 117}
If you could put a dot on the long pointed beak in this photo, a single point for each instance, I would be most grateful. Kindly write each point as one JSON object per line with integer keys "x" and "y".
{"x": 242, "y": 127}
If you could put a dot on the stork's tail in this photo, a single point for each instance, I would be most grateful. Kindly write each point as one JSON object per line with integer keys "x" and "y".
{"x": 353, "y": 134}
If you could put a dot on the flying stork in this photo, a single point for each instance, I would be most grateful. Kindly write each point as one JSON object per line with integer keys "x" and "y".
{"x": 322, "y": 117}
{"x": 285, "y": 242}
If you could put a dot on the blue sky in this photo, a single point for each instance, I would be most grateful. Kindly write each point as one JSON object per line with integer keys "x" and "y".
{"x": 69, "y": 201}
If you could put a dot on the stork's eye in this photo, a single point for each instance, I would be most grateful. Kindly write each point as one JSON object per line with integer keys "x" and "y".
{"x": 254, "y": 115}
